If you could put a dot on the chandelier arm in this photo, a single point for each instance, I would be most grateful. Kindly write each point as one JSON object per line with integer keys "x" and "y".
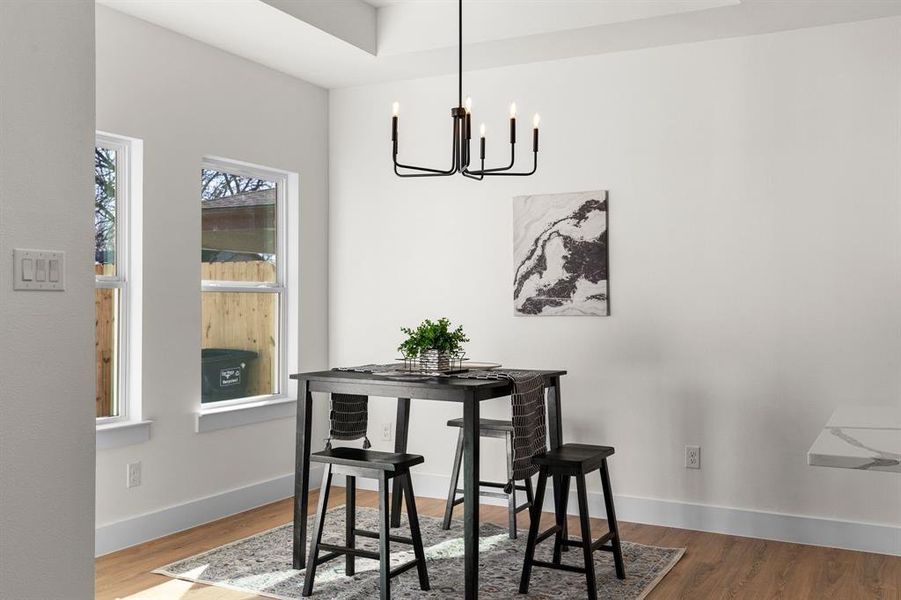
{"x": 469, "y": 174}
{"x": 490, "y": 173}
{"x": 424, "y": 169}
{"x": 427, "y": 170}
{"x": 508, "y": 167}
{"x": 399, "y": 174}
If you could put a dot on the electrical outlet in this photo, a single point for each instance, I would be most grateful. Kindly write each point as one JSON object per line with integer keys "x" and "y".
{"x": 692, "y": 457}
{"x": 388, "y": 431}
{"x": 133, "y": 478}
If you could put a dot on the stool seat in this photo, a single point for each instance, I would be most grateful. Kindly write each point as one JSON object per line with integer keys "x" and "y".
{"x": 580, "y": 458}
{"x": 564, "y": 463}
{"x": 486, "y": 425}
{"x": 506, "y": 490}
{"x": 384, "y": 467}
{"x": 368, "y": 459}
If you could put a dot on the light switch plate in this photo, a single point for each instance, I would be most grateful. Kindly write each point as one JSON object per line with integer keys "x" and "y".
{"x": 34, "y": 278}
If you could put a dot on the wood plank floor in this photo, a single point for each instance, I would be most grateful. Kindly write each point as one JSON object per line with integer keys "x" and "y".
{"x": 714, "y": 566}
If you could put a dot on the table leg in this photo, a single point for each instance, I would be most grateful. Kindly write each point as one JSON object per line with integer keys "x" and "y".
{"x": 402, "y": 427}
{"x": 555, "y": 434}
{"x": 302, "y": 472}
{"x": 471, "y": 497}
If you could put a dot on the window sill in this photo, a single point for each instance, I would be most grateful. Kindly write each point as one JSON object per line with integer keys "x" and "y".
{"x": 214, "y": 419}
{"x": 123, "y": 433}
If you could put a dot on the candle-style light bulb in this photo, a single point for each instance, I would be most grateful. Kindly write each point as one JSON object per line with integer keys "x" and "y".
{"x": 467, "y": 122}
{"x": 513, "y": 110}
{"x": 536, "y": 120}
{"x": 395, "y": 109}
{"x": 482, "y": 143}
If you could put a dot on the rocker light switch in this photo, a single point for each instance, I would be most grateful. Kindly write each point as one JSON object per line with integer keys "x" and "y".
{"x": 39, "y": 270}
{"x": 27, "y": 269}
{"x": 53, "y": 270}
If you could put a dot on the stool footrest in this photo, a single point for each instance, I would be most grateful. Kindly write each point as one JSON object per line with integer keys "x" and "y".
{"x": 495, "y": 484}
{"x": 490, "y": 484}
{"x": 596, "y": 545}
{"x": 560, "y": 567}
{"x": 599, "y": 543}
{"x": 339, "y": 550}
{"x": 500, "y": 495}
{"x": 375, "y": 536}
{"x": 543, "y": 536}
{"x": 327, "y": 557}
{"x": 402, "y": 568}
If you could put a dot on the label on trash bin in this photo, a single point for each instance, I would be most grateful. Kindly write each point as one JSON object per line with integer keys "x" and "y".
{"x": 229, "y": 377}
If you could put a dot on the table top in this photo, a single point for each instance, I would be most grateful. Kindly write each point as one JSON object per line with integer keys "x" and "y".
{"x": 411, "y": 386}
{"x": 860, "y": 437}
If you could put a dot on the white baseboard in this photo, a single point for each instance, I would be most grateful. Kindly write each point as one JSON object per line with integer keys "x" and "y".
{"x": 149, "y": 526}
{"x": 815, "y": 531}
{"x": 866, "y": 537}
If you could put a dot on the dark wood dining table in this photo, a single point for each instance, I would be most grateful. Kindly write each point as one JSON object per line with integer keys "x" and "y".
{"x": 469, "y": 392}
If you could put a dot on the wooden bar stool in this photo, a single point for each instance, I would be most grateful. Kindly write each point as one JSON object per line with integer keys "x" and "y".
{"x": 573, "y": 460}
{"x": 494, "y": 429}
{"x": 382, "y": 466}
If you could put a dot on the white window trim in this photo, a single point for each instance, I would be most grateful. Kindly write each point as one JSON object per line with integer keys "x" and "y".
{"x": 255, "y": 409}
{"x": 128, "y": 426}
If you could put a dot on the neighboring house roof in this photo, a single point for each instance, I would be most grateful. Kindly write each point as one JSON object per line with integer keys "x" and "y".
{"x": 256, "y": 198}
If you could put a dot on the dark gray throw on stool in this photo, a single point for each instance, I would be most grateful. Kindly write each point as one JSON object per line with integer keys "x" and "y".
{"x": 529, "y": 427}
{"x": 349, "y": 416}
{"x": 524, "y": 435}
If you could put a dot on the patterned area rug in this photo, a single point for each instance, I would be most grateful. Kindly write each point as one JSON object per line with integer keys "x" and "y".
{"x": 261, "y": 564}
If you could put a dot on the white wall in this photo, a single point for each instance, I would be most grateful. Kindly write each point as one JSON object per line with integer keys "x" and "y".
{"x": 46, "y": 384}
{"x": 755, "y": 255}
{"x": 187, "y": 100}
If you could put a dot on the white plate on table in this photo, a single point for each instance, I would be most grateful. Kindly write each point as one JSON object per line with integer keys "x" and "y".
{"x": 480, "y": 366}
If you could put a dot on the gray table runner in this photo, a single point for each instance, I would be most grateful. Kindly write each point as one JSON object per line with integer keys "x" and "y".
{"x": 349, "y": 413}
{"x": 529, "y": 427}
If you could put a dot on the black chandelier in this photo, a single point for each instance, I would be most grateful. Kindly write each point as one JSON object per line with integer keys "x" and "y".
{"x": 462, "y": 116}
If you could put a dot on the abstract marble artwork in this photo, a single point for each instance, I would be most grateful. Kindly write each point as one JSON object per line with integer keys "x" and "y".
{"x": 560, "y": 254}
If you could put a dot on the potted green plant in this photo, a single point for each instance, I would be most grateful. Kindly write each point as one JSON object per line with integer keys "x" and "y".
{"x": 433, "y": 345}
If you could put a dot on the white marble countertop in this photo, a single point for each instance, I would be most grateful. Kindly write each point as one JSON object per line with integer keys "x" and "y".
{"x": 860, "y": 437}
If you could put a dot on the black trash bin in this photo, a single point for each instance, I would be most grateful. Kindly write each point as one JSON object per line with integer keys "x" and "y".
{"x": 224, "y": 373}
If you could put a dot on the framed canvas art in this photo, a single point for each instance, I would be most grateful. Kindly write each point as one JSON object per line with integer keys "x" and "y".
{"x": 560, "y": 254}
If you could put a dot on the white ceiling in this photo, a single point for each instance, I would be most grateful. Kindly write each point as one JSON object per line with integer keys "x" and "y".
{"x": 413, "y": 26}
{"x": 339, "y": 43}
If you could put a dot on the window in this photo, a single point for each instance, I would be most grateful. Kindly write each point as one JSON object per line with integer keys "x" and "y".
{"x": 243, "y": 282}
{"x": 111, "y": 296}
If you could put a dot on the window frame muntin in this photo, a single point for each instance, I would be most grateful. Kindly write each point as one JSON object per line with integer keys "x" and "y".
{"x": 279, "y": 286}
{"x": 120, "y": 280}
